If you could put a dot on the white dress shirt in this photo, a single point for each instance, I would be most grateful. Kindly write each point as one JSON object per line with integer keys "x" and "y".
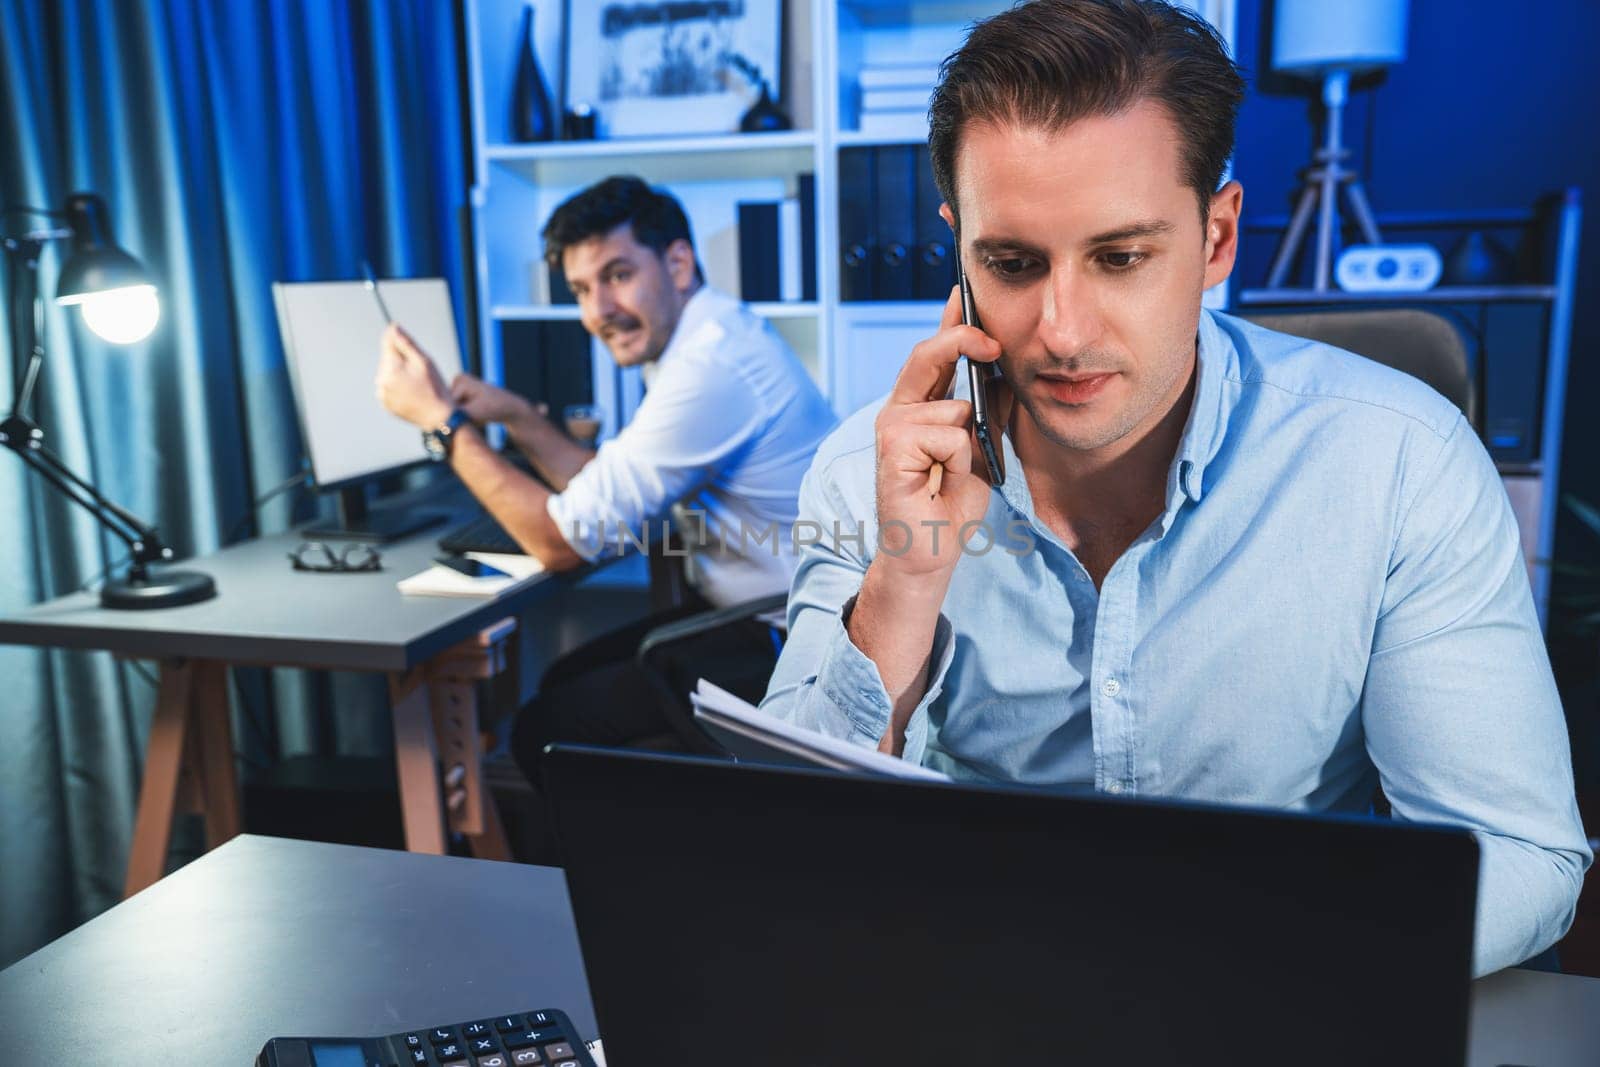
{"x": 727, "y": 428}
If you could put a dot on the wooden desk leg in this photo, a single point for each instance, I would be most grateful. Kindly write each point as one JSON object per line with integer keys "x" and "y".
{"x": 416, "y": 762}
{"x": 163, "y": 761}
{"x": 218, "y": 777}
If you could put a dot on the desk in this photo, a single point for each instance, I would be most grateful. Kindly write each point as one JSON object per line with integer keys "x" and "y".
{"x": 432, "y": 649}
{"x": 266, "y": 938}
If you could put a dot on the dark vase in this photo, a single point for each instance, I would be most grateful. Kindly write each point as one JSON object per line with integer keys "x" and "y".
{"x": 531, "y": 115}
{"x": 1477, "y": 259}
{"x": 764, "y": 116}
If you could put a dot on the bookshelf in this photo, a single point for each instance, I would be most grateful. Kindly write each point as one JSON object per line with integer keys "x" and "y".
{"x": 853, "y": 350}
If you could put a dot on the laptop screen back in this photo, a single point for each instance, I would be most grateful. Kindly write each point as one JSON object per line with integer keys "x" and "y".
{"x": 732, "y": 914}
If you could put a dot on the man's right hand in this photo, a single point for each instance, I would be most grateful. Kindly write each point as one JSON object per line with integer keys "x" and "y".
{"x": 918, "y": 429}
{"x": 485, "y": 403}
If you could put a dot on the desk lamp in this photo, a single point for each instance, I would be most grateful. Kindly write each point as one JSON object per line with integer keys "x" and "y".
{"x": 118, "y": 302}
{"x": 1328, "y": 42}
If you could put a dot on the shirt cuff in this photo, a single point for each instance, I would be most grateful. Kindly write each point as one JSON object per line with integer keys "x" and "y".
{"x": 582, "y": 538}
{"x": 850, "y": 681}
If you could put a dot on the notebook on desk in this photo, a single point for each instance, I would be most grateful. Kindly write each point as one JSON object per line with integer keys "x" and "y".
{"x": 735, "y": 914}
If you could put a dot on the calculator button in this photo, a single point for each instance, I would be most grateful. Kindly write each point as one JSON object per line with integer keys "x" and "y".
{"x": 450, "y": 1051}
{"x": 442, "y": 1036}
{"x": 412, "y": 1040}
{"x": 482, "y": 1046}
{"x": 476, "y": 1030}
{"x": 418, "y": 1055}
{"x": 558, "y": 1051}
{"x": 455, "y": 1063}
{"x": 526, "y": 1057}
{"x": 497, "y": 1059}
{"x": 538, "y": 1019}
{"x": 508, "y": 1024}
{"x": 525, "y": 1038}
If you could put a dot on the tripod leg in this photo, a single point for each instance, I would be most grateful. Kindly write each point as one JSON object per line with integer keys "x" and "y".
{"x": 1290, "y": 245}
{"x": 1363, "y": 212}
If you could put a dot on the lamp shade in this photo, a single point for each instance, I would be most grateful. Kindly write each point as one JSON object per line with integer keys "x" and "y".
{"x": 108, "y": 285}
{"x": 1315, "y": 37}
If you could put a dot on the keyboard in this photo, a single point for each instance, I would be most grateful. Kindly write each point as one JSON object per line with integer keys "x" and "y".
{"x": 482, "y": 534}
{"x": 530, "y": 1039}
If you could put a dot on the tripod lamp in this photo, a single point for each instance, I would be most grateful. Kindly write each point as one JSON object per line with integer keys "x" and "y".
{"x": 119, "y": 303}
{"x": 1328, "y": 42}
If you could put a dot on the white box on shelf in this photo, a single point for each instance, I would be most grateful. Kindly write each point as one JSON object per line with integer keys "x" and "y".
{"x": 898, "y": 75}
{"x": 911, "y": 123}
{"x": 896, "y": 99}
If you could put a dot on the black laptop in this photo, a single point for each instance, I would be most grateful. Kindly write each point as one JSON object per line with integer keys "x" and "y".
{"x": 733, "y": 914}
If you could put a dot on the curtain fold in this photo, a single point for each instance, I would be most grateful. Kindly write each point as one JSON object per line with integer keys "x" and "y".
{"x": 236, "y": 144}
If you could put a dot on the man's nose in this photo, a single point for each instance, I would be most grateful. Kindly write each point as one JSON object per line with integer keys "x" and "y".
{"x": 1070, "y": 321}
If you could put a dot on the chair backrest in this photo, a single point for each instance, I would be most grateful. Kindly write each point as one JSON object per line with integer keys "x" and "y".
{"x": 1425, "y": 345}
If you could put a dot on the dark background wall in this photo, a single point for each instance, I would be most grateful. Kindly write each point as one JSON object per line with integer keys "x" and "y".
{"x": 1496, "y": 104}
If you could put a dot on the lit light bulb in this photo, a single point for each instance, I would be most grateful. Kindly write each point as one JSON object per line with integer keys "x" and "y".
{"x": 121, "y": 316}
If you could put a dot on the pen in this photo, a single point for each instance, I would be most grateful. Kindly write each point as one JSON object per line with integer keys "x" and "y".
{"x": 372, "y": 287}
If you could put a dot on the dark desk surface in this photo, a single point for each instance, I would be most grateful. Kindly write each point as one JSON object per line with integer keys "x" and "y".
{"x": 265, "y": 937}
{"x": 265, "y": 612}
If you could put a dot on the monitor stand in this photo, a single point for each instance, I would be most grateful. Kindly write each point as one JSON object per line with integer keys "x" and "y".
{"x": 356, "y": 523}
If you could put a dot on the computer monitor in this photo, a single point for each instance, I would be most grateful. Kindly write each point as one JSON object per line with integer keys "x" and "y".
{"x": 331, "y": 335}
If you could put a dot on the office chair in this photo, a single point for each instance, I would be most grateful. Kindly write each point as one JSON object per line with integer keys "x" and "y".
{"x": 674, "y": 678}
{"x": 1424, "y": 344}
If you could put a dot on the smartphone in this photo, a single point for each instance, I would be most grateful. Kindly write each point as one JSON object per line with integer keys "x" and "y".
{"x": 472, "y": 568}
{"x": 984, "y": 381}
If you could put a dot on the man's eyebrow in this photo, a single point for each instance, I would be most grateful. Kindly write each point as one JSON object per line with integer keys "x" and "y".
{"x": 614, "y": 261}
{"x": 1145, "y": 228}
{"x": 990, "y": 246}
{"x": 1134, "y": 230}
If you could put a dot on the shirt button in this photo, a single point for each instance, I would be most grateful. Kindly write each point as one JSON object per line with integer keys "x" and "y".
{"x": 1110, "y": 687}
{"x": 1113, "y": 787}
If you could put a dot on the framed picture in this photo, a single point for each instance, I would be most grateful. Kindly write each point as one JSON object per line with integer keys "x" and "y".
{"x": 664, "y": 67}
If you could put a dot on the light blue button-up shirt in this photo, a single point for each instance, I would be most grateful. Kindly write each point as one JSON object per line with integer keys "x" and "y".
{"x": 1334, "y": 597}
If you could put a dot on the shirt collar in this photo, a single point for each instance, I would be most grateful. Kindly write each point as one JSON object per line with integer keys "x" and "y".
{"x": 1207, "y": 423}
{"x": 700, "y": 315}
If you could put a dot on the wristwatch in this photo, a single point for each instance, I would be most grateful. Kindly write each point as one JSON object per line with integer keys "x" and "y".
{"x": 437, "y": 441}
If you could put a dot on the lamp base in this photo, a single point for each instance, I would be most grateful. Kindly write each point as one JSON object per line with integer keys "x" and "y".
{"x": 162, "y": 589}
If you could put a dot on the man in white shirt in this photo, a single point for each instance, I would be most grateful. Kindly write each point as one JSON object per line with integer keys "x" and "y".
{"x": 727, "y": 428}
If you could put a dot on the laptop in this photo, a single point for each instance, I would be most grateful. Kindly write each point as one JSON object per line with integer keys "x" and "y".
{"x": 736, "y": 914}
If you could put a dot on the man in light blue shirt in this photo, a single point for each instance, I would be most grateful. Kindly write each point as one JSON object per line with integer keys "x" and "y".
{"x": 1226, "y": 564}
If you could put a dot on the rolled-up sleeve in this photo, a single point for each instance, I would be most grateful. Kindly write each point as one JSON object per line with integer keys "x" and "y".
{"x": 1461, "y": 713}
{"x": 823, "y": 682}
{"x": 694, "y": 418}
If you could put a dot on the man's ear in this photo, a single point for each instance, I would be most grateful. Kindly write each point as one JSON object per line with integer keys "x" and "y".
{"x": 948, "y": 216}
{"x": 1222, "y": 232}
{"x": 680, "y": 264}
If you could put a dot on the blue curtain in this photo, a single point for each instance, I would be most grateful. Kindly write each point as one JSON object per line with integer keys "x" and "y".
{"x": 237, "y": 143}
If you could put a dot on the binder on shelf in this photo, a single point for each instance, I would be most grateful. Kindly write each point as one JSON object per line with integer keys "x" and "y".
{"x": 898, "y": 76}
{"x": 896, "y": 99}
{"x": 760, "y": 275}
{"x": 934, "y": 263}
{"x": 895, "y": 208}
{"x": 808, "y": 236}
{"x": 857, "y": 231}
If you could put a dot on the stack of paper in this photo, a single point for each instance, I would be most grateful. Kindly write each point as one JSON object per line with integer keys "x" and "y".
{"x": 755, "y": 735}
{"x": 894, "y": 99}
{"x": 439, "y": 580}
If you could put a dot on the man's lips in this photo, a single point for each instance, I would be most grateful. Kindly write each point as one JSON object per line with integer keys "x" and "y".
{"x": 1076, "y": 389}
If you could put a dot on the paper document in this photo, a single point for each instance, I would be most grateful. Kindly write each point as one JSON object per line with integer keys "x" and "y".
{"x": 747, "y": 730}
{"x": 439, "y": 580}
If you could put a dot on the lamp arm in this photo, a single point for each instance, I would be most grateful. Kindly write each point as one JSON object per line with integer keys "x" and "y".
{"x": 143, "y": 542}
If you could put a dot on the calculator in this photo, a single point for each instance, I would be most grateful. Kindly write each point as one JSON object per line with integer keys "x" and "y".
{"x": 532, "y": 1038}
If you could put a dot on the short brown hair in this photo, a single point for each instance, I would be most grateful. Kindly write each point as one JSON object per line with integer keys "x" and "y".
{"x": 1048, "y": 63}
